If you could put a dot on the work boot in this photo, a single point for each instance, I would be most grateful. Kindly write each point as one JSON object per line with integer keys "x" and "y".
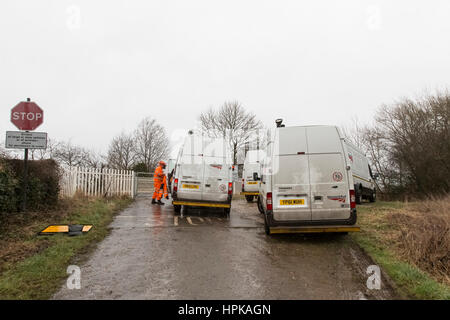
{"x": 160, "y": 203}
{"x": 153, "y": 201}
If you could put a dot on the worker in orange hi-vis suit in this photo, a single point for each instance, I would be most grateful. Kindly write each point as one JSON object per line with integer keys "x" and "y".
{"x": 158, "y": 179}
{"x": 163, "y": 188}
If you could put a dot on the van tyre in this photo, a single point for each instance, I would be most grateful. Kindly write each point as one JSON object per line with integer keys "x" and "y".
{"x": 177, "y": 209}
{"x": 266, "y": 225}
{"x": 249, "y": 198}
{"x": 260, "y": 208}
{"x": 227, "y": 211}
{"x": 373, "y": 196}
{"x": 359, "y": 196}
{"x": 353, "y": 218}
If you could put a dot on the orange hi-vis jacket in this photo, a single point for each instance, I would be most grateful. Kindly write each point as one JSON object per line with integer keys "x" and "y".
{"x": 158, "y": 179}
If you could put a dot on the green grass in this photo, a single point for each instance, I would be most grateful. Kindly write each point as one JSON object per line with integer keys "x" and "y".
{"x": 40, "y": 275}
{"x": 412, "y": 282}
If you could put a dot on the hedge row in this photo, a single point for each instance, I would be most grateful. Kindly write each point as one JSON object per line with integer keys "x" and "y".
{"x": 43, "y": 184}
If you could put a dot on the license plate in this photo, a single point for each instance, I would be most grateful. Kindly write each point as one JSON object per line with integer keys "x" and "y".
{"x": 190, "y": 186}
{"x": 292, "y": 202}
{"x": 252, "y": 182}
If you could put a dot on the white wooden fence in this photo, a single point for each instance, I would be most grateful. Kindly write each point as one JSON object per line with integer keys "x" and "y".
{"x": 98, "y": 182}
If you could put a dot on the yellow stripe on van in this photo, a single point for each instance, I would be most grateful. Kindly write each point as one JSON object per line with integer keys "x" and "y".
{"x": 314, "y": 229}
{"x": 355, "y": 176}
{"x": 245, "y": 193}
{"x": 201, "y": 204}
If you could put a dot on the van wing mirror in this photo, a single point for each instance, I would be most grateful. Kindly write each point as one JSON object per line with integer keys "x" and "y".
{"x": 255, "y": 176}
{"x": 376, "y": 175}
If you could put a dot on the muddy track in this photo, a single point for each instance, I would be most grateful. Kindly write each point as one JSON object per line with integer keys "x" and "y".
{"x": 153, "y": 254}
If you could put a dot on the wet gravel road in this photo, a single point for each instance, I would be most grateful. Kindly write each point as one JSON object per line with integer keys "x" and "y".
{"x": 153, "y": 254}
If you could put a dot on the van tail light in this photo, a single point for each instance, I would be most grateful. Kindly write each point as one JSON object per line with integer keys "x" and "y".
{"x": 230, "y": 187}
{"x": 269, "y": 201}
{"x": 243, "y": 184}
{"x": 175, "y": 186}
{"x": 352, "y": 199}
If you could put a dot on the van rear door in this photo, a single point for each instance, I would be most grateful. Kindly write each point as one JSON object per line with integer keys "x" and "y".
{"x": 328, "y": 175}
{"x": 216, "y": 170}
{"x": 291, "y": 191}
{"x": 216, "y": 178}
{"x": 191, "y": 169}
{"x": 191, "y": 177}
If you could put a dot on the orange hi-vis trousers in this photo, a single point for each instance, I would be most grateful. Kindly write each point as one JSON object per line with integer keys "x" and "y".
{"x": 163, "y": 189}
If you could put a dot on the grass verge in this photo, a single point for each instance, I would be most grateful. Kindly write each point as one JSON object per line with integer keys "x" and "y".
{"x": 388, "y": 238}
{"x": 33, "y": 267}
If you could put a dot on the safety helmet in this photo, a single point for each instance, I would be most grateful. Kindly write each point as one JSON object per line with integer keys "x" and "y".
{"x": 162, "y": 163}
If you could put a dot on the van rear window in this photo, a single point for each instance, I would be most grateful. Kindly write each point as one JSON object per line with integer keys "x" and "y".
{"x": 323, "y": 140}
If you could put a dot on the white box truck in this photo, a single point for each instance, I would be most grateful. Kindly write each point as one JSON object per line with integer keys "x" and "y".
{"x": 250, "y": 187}
{"x": 306, "y": 184}
{"x": 363, "y": 178}
{"x": 202, "y": 176}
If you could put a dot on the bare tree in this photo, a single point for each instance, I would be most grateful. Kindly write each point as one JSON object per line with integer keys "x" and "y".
{"x": 232, "y": 122}
{"x": 92, "y": 159}
{"x": 410, "y": 145}
{"x": 4, "y": 153}
{"x": 355, "y": 133}
{"x": 122, "y": 152}
{"x": 68, "y": 154}
{"x": 48, "y": 153}
{"x": 152, "y": 143}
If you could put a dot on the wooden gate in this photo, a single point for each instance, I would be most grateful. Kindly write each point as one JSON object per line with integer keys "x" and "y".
{"x": 144, "y": 183}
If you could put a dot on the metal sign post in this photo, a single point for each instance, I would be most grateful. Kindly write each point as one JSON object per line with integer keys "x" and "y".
{"x": 26, "y": 116}
{"x": 25, "y": 176}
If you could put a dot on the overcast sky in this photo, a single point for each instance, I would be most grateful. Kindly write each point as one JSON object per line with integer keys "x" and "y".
{"x": 98, "y": 67}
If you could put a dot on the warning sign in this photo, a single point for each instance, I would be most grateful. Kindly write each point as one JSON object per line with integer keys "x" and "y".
{"x": 337, "y": 176}
{"x": 26, "y": 140}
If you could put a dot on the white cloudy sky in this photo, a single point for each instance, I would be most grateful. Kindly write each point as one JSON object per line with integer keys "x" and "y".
{"x": 98, "y": 67}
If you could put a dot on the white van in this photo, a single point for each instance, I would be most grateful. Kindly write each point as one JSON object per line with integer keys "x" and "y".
{"x": 250, "y": 187}
{"x": 202, "y": 175}
{"x": 363, "y": 177}
{"x": 305, "y": 181}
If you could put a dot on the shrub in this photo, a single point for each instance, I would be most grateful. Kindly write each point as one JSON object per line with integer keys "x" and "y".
{"x": 424, "y": 237}
{"x": 43, "y": 184}
{"x": 8, "y": 186}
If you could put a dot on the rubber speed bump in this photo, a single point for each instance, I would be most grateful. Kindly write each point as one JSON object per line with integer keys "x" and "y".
{"x": 70, "y": 229}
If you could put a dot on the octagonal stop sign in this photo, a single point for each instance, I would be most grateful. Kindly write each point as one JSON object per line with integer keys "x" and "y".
{"x": 27, "y": 115}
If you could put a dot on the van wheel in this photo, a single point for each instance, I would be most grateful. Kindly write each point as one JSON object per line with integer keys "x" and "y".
{"x": 266, "y": 225}
{"x": 177, "y": 209}
{"x": 359, "y": 196}
{"x": 249, "y": 198}
{"x": 373, "y": 196}
{"x": 260, "y": 208}
{"x": 227, "y": 211}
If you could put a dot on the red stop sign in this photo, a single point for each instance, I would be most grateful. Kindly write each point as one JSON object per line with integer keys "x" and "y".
{"x": 27, "y": 115}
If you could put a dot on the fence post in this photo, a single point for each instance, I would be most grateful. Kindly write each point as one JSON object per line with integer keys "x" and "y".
{"x": 75, "y": 181}
{"x": 132, "y": 184}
